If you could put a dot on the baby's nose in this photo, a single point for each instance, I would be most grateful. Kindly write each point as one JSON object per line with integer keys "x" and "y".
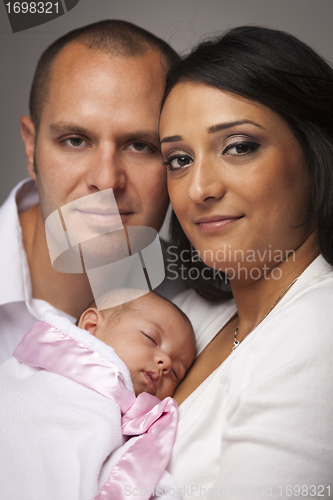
{"x": 164, "y": 362}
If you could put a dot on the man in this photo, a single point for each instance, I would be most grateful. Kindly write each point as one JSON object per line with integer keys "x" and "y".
{"x": 94, "y": 107}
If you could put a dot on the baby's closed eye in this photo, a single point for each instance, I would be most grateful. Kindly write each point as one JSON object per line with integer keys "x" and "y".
{"x": 150, "y": 338}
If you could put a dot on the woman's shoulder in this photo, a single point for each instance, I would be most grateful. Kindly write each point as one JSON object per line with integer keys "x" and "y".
{"x": 290, "y": 352}
{"x": 301, "y": 324}
{"x": 312, "y": 294}
{"x": 206, "y": 317}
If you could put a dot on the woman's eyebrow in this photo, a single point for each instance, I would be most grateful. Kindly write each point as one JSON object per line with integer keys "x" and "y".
{"x": 213, "y": 129}
{"x": 172, "y": 138}
{"x": 221, "y": 126}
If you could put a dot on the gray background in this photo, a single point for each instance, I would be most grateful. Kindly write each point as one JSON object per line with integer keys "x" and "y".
{"x": 182, "y": 23}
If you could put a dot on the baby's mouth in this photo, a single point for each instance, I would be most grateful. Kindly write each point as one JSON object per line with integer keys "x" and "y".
{"x": 152, "y": 380}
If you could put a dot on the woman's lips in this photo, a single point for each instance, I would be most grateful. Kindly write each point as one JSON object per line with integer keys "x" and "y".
{"x": 216, "y": 222}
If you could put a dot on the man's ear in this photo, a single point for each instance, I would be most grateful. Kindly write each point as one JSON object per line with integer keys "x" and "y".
{"x": 89, "y": 320}
{"x": 28, "y": 133}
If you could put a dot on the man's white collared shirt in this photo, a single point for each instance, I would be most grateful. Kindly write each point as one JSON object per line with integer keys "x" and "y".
{"x": 18, "y": 309}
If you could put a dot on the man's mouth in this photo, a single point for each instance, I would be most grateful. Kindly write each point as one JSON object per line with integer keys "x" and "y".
{"x": 102, "y": 217}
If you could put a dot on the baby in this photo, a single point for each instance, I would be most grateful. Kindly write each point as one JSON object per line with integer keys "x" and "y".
{"x": 151, "y": 335}
{"x": 67, "y": 402}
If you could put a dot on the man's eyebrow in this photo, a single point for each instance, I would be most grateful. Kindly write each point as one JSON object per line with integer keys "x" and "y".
{"x": 172, "y": 138}
{"x": 143, "y": 136}
{"x": 68, "y": 127}
{"x": 222, "y": 126}
{"x": 61, "y": 127}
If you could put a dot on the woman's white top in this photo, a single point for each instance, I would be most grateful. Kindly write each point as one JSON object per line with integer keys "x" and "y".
{"x": 263, "y": 420}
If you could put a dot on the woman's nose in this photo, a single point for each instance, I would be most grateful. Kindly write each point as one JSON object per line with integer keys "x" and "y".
{"x": 206, "y": 182}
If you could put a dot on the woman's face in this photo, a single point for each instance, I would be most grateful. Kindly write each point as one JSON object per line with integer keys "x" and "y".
{"x": 236, "y": 177}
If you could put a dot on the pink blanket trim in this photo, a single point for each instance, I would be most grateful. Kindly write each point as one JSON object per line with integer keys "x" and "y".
{"x": 155, "y": 421}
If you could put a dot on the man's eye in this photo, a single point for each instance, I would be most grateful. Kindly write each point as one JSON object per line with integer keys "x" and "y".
{"x": 75, "y": 142}
{"x": 139, "y": 146}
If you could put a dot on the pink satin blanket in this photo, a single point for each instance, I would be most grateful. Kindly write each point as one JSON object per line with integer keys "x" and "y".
{"x": 154, "y": 421}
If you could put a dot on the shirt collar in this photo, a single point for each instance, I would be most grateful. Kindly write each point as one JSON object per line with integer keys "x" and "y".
{"x": 14, "y": 269}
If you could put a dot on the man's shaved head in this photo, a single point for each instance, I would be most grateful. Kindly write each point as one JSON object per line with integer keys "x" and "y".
{"x": 113, "y": 37}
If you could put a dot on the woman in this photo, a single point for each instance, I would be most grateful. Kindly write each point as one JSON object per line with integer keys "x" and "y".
{"x": 247, "y": 137}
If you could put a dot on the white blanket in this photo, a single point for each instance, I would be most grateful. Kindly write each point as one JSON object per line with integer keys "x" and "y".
{"x": 57, "y": 435}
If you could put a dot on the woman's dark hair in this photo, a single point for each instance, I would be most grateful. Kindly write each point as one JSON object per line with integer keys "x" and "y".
{"x": 281, "y": 72}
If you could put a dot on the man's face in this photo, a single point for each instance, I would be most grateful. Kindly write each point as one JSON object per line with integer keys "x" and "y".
{"x": 98, "y": 130}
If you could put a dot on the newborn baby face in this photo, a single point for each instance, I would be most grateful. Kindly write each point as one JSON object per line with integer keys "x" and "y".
{"x": 153, "y": 338}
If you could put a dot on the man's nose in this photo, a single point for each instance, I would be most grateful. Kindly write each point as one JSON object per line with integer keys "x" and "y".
{"x": 106, "y": 170}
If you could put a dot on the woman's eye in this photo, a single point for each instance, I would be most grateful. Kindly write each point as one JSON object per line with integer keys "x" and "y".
{"x": 240, "y": 148}
{"x": 178, "y": 161}
{"x": 75, "y": 141}
{"x": 139, "y": 146}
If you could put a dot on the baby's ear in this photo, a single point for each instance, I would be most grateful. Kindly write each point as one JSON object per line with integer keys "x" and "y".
{"x": 89, "y": 320}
